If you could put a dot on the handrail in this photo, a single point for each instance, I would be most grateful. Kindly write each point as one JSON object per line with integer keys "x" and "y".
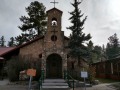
{"x": 41, "y": 80}
{"x": 67, "y": 77}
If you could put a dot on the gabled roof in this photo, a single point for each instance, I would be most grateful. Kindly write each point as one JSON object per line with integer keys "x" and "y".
{"x": 7, "y": 50}
{"x": 29, "y": 42}
{"x": 54, "y": 9}
{"x": 4, "y": 50}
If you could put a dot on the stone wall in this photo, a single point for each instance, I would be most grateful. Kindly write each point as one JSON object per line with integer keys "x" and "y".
{"x": 33, "y": 50}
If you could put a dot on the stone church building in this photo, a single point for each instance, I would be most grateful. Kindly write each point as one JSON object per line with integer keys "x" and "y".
{"x": 50, "y": 48}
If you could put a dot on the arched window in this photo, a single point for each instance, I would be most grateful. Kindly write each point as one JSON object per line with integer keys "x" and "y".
{"x": 54, "y": 22}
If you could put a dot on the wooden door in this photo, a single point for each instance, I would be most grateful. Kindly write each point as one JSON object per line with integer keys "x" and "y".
{"x": 54, "y": 67}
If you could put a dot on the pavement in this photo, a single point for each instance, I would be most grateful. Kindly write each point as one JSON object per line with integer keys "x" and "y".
{"x": 4, "y": 82}
{"x": 97, "y": 87}
{"x": 4, "y": 85}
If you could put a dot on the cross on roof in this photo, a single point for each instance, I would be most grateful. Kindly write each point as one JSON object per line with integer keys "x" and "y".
{"x": 54, "y": 3}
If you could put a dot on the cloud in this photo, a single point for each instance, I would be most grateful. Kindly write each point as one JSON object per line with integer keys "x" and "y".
{"x": 101, "y": 17}
{"x": 113, "y": 25}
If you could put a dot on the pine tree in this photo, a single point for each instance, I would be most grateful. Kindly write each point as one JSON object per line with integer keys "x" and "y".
{"x": 11, "y": 43}
{"x": 34, "y": 25}
{"x": 21, "y": 39}
{"x": 98, "y": 51}
{"x": 90, "y": 51}
{"x": 113, "y": 47}
{"x": 77, "y": 38}
{"x": 2, "y": 41}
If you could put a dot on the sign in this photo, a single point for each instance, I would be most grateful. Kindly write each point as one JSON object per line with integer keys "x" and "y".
{"x": 84, "y": 74}
{"x": 31, "y": 72}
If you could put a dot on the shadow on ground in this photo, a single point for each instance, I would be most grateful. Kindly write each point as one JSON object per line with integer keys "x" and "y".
{"x": 115, "y": 85}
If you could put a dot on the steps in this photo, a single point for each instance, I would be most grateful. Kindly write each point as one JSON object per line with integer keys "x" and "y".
{"x": 55, "y": 84}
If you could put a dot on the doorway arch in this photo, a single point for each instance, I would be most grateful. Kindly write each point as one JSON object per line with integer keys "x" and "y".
{"x": 54, "y": 66}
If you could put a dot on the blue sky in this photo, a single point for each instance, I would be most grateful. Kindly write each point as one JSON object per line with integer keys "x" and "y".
{"x": 103, "y": 17}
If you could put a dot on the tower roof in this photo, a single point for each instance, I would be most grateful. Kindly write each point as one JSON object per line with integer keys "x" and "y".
{"x": 54, "y": 9}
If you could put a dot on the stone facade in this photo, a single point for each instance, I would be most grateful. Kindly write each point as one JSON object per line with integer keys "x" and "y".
{"x": 53, "y": 43}
{"x": 33, "y": 49}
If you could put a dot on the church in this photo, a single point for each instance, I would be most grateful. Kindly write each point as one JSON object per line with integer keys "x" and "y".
{"x": 50, "y": 48}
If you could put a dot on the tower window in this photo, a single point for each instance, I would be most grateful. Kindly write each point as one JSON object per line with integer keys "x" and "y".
{"x": 54, "y": 22}
{"x": 53, "y": 37}
{"x": 40, "y": 55}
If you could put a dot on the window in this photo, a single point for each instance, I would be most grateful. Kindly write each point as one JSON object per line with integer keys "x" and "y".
{"x": 40, "y": 55}
{"x": 54, "y": 38}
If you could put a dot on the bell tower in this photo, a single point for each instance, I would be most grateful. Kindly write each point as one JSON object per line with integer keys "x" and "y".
{"x": 54, "y": 35}
{"x": 54, "y": 19}
{"x": 53, "y": 45}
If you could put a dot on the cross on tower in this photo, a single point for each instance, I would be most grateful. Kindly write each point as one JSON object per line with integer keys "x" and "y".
{"x": 54, "y": 31}
{"x": 54, "y": 3}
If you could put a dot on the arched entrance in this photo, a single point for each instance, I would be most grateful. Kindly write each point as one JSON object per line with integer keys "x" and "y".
{"x": 54, "y": 66}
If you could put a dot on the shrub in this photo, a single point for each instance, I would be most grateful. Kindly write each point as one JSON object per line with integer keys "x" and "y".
{"x": 13, "y": 68}
{"x": 20, "y": 63}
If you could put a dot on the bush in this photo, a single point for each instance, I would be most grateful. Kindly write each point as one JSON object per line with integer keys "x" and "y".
{"x": 20, "y": 63}
{"x": 13, "y": 69}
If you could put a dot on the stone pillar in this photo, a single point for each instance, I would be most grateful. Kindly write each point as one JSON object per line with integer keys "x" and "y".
{"x": 64, "y": 64}
{"x": 43, "y": 66}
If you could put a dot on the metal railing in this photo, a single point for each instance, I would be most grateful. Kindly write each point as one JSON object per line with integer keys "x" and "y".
{"x": 69, "y": 79}
{"x": 41, "y": 80}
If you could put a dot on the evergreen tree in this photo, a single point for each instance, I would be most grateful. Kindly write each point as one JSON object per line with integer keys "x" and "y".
{"x": 34, "y": 24}
{"x": 90, "y": 51}
{"x": 11, "y": 43}
{"x": 77, "y": 38}
{"x": 95, "y": 53}
{"x": 2, "y": 41}
{"x": 98, "y": 51}
{"x": 21, "y": 39}
{"x": 103, "y": 57}
{"x": 113, "y": 47}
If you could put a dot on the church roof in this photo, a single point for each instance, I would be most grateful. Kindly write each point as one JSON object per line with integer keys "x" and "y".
{"x": 29, "y": 42}
{"x": 7, "y": 50}
{"x": 54, "y": 9}
{"x": 4, "y": 50}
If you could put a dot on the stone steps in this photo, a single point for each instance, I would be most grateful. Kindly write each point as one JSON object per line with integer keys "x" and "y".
{"x": 55, "y": 84}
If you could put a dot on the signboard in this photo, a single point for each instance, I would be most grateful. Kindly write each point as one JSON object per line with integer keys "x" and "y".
{"x": 31, "y": 72}
{"x": 84, "y": 74}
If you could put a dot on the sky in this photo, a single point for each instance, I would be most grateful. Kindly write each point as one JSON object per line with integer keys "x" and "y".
{"x": 102, "y": 22}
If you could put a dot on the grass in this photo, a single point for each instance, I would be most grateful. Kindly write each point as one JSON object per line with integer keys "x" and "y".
{"x": 101, "y": 80}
